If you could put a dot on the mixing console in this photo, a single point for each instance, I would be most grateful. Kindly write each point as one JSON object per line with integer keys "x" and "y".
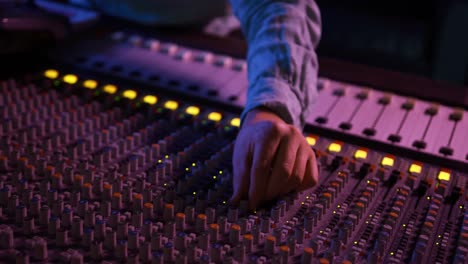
{"x": 369, "y": 114}
{"x": 95, "y": 170}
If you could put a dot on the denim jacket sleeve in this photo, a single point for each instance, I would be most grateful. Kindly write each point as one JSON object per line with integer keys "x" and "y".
{"x": 282, "y": 64}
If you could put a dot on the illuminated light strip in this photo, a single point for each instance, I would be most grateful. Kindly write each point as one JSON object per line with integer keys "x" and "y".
{"x": 51, "y": 74}
{"x": 192, "y": 110}
{"x": 150, "y": 99}
{"x": 360, "y": 153}
{"x": 444, "y": 175}
{"x": 70, "y": 78}
{"x": 416, "y": 167}
{"x": 172, "y": 105}
{"x": 90, "y": 84}
{"x": 215, "y": 116}
{"x": 130, "y": 94}
{"x": 110, "y": 88}
{"x": 335, "y": 147}
{"x": 311, "y": 140}
{"x": 235, "y": 122}
{"x": 388, "y": 160}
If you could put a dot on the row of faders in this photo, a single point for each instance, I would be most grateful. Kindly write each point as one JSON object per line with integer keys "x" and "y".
{"x": 90, "y": 172}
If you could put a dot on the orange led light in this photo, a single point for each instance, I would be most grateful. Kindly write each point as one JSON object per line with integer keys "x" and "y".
{"x": 311, "y": 140}
{"x": 150, "y": 99}
{"x": 192, "y": 110}
{"x": 90, "y": 84}
{"x": 110, "y": 88}
{"x": 388, "y": 161}
{"x": 215, "y": 116}
{"x": 416, "y": 167}
{"x": 70, "y": 78}
{"x": 130, "y": 94}
{"x": 51, "y": 74}
{"x": 172, "y": 105}
{"x": 334, "y": 147}
{"x": 444, "y": 175}
{"x": 235, "y": 122}
{"x": 360, "y": 154}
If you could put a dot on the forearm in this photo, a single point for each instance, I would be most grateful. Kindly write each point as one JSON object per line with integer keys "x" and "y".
{"x": 282, "y": 64}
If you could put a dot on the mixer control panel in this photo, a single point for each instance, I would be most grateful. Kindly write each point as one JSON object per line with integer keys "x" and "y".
{"x": 97, "y": 171}
{"x": 423, "y": 127}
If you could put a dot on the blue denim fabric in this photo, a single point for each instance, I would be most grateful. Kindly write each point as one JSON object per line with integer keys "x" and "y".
{"x": 281, "y": 59}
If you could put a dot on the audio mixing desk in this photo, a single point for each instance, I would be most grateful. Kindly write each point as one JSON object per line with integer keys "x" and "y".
{"x": 121, "y": 153}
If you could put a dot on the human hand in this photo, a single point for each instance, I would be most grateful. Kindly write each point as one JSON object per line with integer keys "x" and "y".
{"x": 271, "y": 158}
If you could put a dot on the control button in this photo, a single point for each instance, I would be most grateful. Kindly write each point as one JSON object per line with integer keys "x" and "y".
{"x": 339, "y": 92}
{"x": 370, "y": 132}
{"x": 212, "y": 92}
{"x": 135, "y": 40}
{"x": 432, "y": 110}
{"x": 321, "y": 84}
{"x": 168, "y": 48}
{"x": 419, "y": 144}
{"x": 346, "y": 126}
{"x": 386, "y": 99}
{"x": 204, "y": 56}
{"x": 193, "y": 87}
{"x": 239, "y": 66}
{"x": 321, "y": 120}
{"x": 394, "y": 138}
{"x": 363, "y": 94}
{"x": 447, "y": 151}
{"x": 183, "y": 55}
{"x": 457, "y": 115}
{"x": 408, "y": 105}
{"x": 152, "y": 44}
{"x": 223, "y": 61}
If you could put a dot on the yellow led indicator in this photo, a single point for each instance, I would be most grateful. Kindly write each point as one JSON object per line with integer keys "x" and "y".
{"x": 70, "y": 78}
{"x": 215, "y": 116}
{"x": 110, "y": 88}
{"x": 51, "y": 74}
{"x": 173, "y": 105}
{"x": 360, "y": 154}
{"x": 311, "y": 140}
{"x": 235, "y": 122}
{"x": 192, "y": 110}
{"x": 150, "y": 99}
{"x": 334, "y": 147}
{"x": 130, "y": 94}
{"x": 444, "y": 175}
{"x": 388, "y": 161}
{"x": 415, "y": 168}
{"x": 90, "y": 84}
